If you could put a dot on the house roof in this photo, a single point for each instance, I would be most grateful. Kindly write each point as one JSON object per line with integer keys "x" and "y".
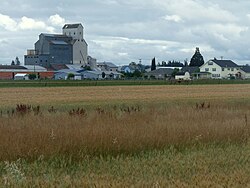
{"x": 246, "y": 69}
{"x": 21, "y": 74}
{"x": 35, "y": 67}
{"x": 109, "y": 64}
{"x": 53, "y": 35}
{"x": 55, "y": 66}
{"x": 225, "y": 63}
{"x": 12, "y": 67}
{"x": 59, "y": 42}
{"x": 68, "y": 71}
{"x": 71, "y": 26}
{"x": 190, "y": 69}
{"x": 180, "y": 73}
{"x": 161, "y": 71}
{"x": 127, "y": 66}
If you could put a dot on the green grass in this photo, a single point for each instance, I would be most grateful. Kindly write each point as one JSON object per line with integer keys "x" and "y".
{"x": 68, "y": 83}
{"x": 212, "y": 165}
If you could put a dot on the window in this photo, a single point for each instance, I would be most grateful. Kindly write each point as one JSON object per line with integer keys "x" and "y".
{"x": 215, "y": 75}
{"x": 214, "y": 69}
{"x": 228, "y": 69}
{"x": 207, "y": 69}
{"x": 223, "y": 69}
{"x": 210, "y": 63}
{"x": 232, "y": 69}
{"x": 41, "y": 61}
{"x": 74, "y": 33}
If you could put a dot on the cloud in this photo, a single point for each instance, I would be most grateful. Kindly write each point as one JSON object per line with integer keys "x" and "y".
{"x": 124, "y": 31}
{"x": 56, "y": 20}
{"x": 24, "y": 23}
{"x": 174, "y": 18}
{"x": 8, "y": 23}
{"x": 31, "y": 24}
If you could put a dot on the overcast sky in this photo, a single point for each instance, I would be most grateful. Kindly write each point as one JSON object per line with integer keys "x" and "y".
{"x": 123, "y": 31}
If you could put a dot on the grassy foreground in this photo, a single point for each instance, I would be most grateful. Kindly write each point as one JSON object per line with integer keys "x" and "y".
{"x": 225, "y": 165}
{"x": 148, "y": 136}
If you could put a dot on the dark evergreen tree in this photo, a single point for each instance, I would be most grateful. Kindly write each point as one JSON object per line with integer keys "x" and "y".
{"x": 17, "y": 61}
{"x": 153, "y": 65}
{"x": 197, "y": 59}
{"x": 185, "y": 63}
{"x": 12, "y": 62}
{"x": 32, "y": 76}
{"x": 103, "y": 75}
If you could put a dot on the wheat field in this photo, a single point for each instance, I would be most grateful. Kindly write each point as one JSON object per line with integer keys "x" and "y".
{"x": 110, "y": 94}
{"x": 123, "y": 136}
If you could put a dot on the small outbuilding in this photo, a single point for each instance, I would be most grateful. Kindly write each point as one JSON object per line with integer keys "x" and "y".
{"x": 21, "y": 76}
{"x": 182, "y": 76}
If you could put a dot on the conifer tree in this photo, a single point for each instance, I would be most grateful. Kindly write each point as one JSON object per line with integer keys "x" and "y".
{"x": 197, "y": 59}
{"x": 153, "y": 65}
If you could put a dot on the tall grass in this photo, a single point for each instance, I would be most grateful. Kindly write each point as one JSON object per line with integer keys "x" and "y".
{"x": 118, "y": 130}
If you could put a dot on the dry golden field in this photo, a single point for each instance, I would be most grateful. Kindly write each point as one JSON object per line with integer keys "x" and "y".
{"x": 9, "y": 97}
{"x": 123, "y": 136}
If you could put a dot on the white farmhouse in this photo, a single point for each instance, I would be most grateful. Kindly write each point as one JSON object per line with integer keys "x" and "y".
{"x": 221, "y": 69}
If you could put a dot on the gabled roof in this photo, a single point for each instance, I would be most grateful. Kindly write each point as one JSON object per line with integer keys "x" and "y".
{"x": 161, "y": 71}
{"x": 108, "y": 64}
{"x": 246, "y": 69}
{"x": 127, "y": 66}
{"x": 71, "y": 26}
{"x": 53, "y": 35}
{"x": 190, "y": 69}
{"x": 225, "y": 63}
{"x": 55, "y": 66}
{"x": 58, "y": 42}
{"x": 35, "y": 68}
{"x": 12, "y": 67}
{"x": 180, "y": 73}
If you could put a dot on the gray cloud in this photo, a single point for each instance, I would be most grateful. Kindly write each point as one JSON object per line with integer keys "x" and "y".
{"x": 123, "y": 31}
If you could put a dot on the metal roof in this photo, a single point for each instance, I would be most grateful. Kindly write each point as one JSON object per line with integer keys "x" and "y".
{"x": 109, "y": 64}
{"x": 246, "y": 69}
{"x": 225, "y": 63}
{"x": 12, "y": 67}
{"x": 162, "y": 71}
{"x": 59, "y": 42}
{"x": 71, "y": 26}
{"x": 190, "y": 69}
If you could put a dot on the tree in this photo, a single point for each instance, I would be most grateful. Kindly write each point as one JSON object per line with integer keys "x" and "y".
{"x": 197, "y": 59}
{"x": 88, "y": 68}
{"x": 137, "y": 74}
{"x": 185, "y": 63}
{"x": 174, "y": 72}
{"x": 12, "y": 62}
{"x": 32, "y": 76}
{"x": 153, "y": 65}
{"x": 17, "y": 61}
{"x": 70, "y": 76}
{"x": 103, "y": 74}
